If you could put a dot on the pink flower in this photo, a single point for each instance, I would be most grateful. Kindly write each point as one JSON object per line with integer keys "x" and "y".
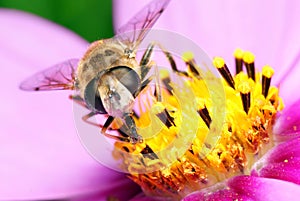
{"x": 41, "y": 155}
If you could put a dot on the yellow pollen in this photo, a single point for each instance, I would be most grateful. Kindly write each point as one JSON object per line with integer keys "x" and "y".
{"x": 238, "y": 53}
{"x": 185, "y": 119}
{"x": 164, "y": 74}
{"x": 244, "y": 87}
{"x": 219, "y": 62}
{"x": 241, "y": 77}
{"x": 268, "y": 71}
{"x": 158, "y": 107}
{"x": 248, "y": 57}
{"x": 187, "y": 56}
{"x": 200, "y": 103}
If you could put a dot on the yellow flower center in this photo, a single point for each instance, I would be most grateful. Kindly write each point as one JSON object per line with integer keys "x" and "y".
{"x": 184, "y": 121}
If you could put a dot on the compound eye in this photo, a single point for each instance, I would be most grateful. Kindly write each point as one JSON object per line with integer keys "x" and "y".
{"x": 92, "y": 97}
{"x": 128, "y": 77}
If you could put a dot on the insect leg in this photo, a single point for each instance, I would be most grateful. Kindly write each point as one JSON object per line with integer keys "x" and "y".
{"x": 157, "y": 91}
{"x": 190, "y": 62}
{"x": 171, "y": 60}
{"x": 143, "y": 86}
{"x": 133, "y": 135}
{"x": 89, "y": 115}
{"x": 77, "y": 99}
{"x": 105, "y": 127}
{"x": 145, "y": 83}
{"x": 108, "y": 121}
{"x": 144, "y": 63}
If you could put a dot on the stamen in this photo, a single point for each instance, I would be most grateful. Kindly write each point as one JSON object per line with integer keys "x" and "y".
{"x": 245, "y": 135}
{"x": 203, "y": 112}
{"x": 249, "y": 63}
{"x": 134, "y": 114}
{"x": 238, "y": 55}
{"x": 148, "y": 153}
{"x": 224, "y": 71}
{"x": 245, "y": 89}
{"x": 188, "y": 58}
{"x": 165, "y": 117}
{"x": 267, "y": 73}
{"x": 166, "y": 80}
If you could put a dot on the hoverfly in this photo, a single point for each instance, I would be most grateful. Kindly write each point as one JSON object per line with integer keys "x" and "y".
{"x": 108, "y": 77}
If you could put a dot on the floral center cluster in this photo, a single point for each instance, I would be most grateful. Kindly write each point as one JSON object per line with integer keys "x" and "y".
{"x": 251, "y": 104}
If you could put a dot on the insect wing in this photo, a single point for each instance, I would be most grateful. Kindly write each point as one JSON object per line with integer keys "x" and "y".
{"x": 134, "y": 31}
{"x": 58, "y": 77}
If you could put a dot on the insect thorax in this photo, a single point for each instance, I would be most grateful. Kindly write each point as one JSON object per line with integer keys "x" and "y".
{"x": 101, "y": 55}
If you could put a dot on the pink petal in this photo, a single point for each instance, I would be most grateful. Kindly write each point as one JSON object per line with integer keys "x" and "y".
{"x": 283, "y": 162}
{"x": 289, "y": 83}
{"x": 287, "y": 124}
{"x": 120, "y": 189}
{"x": 267, "y": 28}
{"x": 250, "y": 188}
{"x": 41, "y": 155}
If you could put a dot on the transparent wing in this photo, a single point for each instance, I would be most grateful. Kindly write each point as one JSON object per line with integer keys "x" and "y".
{"x": 134, "y": 31}
{"x": 58, "y": 77}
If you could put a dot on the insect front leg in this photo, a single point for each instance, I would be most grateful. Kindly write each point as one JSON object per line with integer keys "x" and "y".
{"x": 146, "y": 64}
{"x": 157, "y": 86}
{"x": 105, "y": 127}
{"x": 145, "y": 61}
{"x": 77, "y": 99}
{"x": 133, "y": 135}
{"x": 118, "y": 138}
{"x": 85, "y": 118}
{"x": 145, "y": 83}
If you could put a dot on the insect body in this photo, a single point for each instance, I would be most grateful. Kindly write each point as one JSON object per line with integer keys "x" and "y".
{"x": 108, "y": 77}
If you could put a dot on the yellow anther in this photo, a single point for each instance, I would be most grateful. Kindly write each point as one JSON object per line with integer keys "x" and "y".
{"x": 238, "y": 53}
{"x": 268, "y": 71}
{"x": 219, "y": 62}
{"x": 187, "y": 56}
{"x": 164, "y": 74}
{"x": 248, "y": 57}
{"x": 157, "y": 108}
{"x": 241, "y": 76}
{"x": 244, "y": 87}
{"x": 200, "y": 103}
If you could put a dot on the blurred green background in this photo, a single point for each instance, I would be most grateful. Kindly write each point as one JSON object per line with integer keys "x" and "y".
{"x": 91, "y": 19}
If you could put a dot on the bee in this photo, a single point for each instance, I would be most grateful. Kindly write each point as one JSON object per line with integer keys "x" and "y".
{"x": 108, "y": 77}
